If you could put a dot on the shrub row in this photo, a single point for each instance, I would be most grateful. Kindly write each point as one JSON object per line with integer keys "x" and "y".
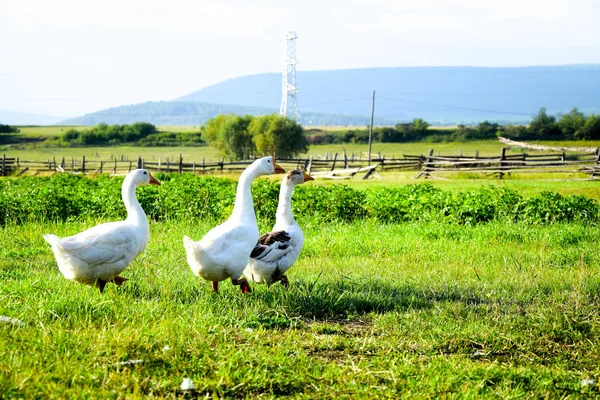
{"x": 66, "y": 198}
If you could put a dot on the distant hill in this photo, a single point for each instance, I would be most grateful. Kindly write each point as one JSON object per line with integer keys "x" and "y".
{"x": 197, "y": 113}
{"x": 16, "y": 118}
{"x": 440, "y": 95}
{"x": 437, "y": 94}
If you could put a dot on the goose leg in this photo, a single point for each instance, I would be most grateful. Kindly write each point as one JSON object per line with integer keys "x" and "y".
{"x": 284, "y": 281}
{"x": 243, "y": 284}
{"x": 215, "y": 285}
{"x": 118, "y": 280}
{"x": 100, "y": 284}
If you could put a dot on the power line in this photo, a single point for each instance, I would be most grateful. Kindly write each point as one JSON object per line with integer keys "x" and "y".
{"x": 456, "y": 107}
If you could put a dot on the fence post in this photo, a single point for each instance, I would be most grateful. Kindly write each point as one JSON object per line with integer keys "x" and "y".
{"x": 140, "y": 163}
{"x": 424, "y": 172}
{"x": 334, "y": 160}
{"x": 595, "y": 168}
{"x": 3, "y": 164}
{"x": 83, "y": 165}
{"x": 180, "y": 163}
{"x": 345, "y": 160}
{"x": 502, "y": 166}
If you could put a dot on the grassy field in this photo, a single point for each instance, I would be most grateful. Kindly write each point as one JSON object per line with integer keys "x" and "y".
{"x": 46, "y": 130}
{"x": 409, "y": 310}
{"x": 390, "y": 150}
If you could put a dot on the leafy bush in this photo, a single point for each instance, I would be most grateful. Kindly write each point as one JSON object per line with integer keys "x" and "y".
{"x": 67, "y": 197}
{"x": 103, "y": 134}
{"x": 8, "y": 129}
{"x": 172, "y": 139}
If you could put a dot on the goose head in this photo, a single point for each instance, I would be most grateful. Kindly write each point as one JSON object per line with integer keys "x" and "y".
{"x": 297, "y": 177}
{"x": 267, "y": 166}
{"x": 140, "y": 177}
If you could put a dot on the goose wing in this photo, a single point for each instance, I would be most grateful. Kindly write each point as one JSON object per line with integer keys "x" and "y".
{"x": 272, "y": 246}
{"x": 103, "y": 244}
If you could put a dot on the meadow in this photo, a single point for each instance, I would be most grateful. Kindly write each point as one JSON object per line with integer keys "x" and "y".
{"x": 408, "y": 292}
{"x": 460, "y": 288}
{"x": 394, "y": 310}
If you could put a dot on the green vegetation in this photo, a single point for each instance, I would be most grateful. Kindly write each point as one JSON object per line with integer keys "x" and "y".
{"x": 572, "y": 126}
{"x": 424, "y": 310}
{"x": 241, "y": 137}
{"x": 406, "y": 291}
{"x": 8, "y": 129}
{"x": 187, "y": 197}
{"x": 103, "y": 134}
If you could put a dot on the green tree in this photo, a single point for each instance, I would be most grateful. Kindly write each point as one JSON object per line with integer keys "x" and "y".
{"x": 591, "y": 129}
{"x": 229, "y": 134}
{"x": 487, "y": 130}
{"x": 277, "y": 135}
{"x": 571, "y": 123}
{"x": 8, "y": 129}
{"x": 419, "y": 126}
{"x": 543, "y": 126}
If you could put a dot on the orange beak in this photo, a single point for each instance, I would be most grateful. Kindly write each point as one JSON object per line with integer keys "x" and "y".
{"x": 153, "y": 180}
{"x": 307, "y": 177}
{"x": 278, "y": 169}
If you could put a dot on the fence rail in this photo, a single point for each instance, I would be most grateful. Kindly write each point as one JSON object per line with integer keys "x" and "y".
{"x": 582, "y": 162}
{"x": 333, "y": 167}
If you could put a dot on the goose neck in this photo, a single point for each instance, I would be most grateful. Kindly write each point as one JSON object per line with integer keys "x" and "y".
{"x": 135, "y": 213}
{"x": 284, "y": 208}
{"x": 244, "y": 206}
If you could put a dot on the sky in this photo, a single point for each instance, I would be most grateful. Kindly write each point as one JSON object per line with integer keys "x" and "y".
{"x": 71, "y": 57}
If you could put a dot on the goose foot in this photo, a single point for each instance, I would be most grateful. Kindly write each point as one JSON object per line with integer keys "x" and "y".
{"x": 243, "y": 283}
{"x": 100, "y": 283}
{"x": 284, "y": 281}
{"x": 215, "y": 286}
{"x": 118, "y": 280}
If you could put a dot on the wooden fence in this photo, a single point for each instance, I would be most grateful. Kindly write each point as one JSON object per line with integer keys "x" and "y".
{"x": 586, "y": 163}
{"x": 332, "y": 166}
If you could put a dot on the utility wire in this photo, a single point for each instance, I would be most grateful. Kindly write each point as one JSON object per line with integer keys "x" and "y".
{"x": 455, "y": 107}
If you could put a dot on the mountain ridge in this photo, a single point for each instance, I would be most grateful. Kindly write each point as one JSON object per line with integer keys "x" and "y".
{"x": 440, "y": 95}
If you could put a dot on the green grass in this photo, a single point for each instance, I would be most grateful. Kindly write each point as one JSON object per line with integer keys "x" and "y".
{"x": 46, "y": 130}
{"x": 410, "y": 310}
{"x": 189, "y": 154}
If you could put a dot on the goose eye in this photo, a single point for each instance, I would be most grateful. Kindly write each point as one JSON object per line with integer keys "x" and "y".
{"x": 145, "y": 173}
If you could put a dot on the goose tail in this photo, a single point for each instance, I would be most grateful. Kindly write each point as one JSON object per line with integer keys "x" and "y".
{"x": 53, "y": 240}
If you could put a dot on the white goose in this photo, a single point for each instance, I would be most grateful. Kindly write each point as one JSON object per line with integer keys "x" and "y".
{"x": 225, "y": 250}
{"x": 279, "y": 249}
{"x": 98, "y": 255}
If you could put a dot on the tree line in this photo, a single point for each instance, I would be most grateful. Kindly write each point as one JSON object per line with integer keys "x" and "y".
{"x": 571, "y": 126}
{"x": 238, "y": 137}
{"x": 235, "y": 136}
